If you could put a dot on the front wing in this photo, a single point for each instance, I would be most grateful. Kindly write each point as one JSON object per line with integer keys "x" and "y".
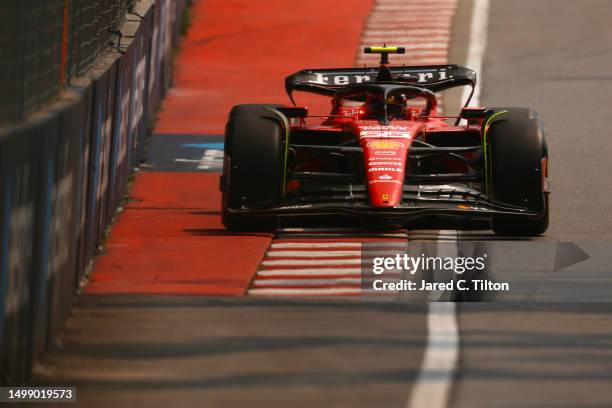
{"x": 417, "y": 204}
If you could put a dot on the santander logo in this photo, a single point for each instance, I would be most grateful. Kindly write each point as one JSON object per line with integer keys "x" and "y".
{"x": 391, "y": 131}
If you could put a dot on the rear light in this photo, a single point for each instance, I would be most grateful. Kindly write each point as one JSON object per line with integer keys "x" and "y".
{"x": 293, "y": 185}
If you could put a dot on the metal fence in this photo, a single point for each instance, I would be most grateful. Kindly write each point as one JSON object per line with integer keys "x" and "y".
{"x": 92, "y": 24}
{"x": 45, "y": 43}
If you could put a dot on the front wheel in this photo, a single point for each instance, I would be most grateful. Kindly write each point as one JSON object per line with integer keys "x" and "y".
{"x": 517, "y": 169}
{"x": 252, "y": 168}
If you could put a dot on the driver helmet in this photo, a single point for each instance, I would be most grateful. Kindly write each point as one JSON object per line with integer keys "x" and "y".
{"x": 396, "y": 105}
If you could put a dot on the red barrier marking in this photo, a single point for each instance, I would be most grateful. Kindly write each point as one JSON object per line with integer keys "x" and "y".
{"x": 171, "y": 241}
{"x": 241, "y": 51}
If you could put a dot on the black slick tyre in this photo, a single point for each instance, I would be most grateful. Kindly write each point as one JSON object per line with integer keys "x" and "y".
{"x": 252, "y": 167}
{"x": 518, "y": 158}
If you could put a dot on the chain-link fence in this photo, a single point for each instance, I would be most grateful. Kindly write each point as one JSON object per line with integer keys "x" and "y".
{"x": 92, "y": 23}
{"x": 45, "y": 43}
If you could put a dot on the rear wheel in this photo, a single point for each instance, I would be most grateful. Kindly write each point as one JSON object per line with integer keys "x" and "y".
{"x": 517, "y": 169}
{"x": 252, "y": 167}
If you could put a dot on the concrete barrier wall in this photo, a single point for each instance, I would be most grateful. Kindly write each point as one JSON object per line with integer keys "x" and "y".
{"x": 63, "y": 174}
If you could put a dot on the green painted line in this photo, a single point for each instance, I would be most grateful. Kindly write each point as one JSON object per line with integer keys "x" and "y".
{"x": 286, "y": 153}
{"x": 485, "y": 150}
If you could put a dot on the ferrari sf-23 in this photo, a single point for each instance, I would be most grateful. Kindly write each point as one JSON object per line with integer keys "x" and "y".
{"x": 385, "y": 155}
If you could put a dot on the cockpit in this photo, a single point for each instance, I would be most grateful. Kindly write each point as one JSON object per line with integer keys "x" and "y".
{"x": 384, "y": 102}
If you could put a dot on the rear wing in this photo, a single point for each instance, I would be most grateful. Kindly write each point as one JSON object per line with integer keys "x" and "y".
{"x": 328, "y": 81}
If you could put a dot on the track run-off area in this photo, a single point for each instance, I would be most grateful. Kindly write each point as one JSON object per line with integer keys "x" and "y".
{"x": 180, "y": 312}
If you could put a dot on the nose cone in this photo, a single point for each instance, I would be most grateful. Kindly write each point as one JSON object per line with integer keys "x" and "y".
{"x": 385, "y": 164}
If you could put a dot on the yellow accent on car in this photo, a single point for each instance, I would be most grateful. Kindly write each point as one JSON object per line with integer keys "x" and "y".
{"x": 390, "y": 50}
{"x": 384, "y": 144}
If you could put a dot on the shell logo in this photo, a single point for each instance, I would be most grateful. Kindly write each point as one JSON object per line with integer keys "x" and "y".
{"x": 385, "y": 144}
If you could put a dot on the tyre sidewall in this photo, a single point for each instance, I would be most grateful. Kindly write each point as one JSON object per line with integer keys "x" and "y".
{"x": 252, "y": 166}
{"x": 516, "y": 148}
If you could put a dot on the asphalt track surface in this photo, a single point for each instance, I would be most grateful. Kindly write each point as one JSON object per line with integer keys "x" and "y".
{"x": 549, "y": 54}
{"x": 175, "y": 350}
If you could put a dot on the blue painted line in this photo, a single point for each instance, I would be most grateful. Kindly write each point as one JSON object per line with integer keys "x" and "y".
{"x": 217, "y": 146}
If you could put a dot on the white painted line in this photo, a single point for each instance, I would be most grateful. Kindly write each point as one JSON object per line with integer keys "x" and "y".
{"x": 305, "y": 262}
{"x": 212, "y": 159}
{"x": 333, "y": 254}
{"x": 433, "y": 385}
{"x": 477, "y": 46}
{"x": 310, "y": 271}
{"x": 311, "y": 254}
{"x": 309, "y": 245}
{"x": 393, "y": 23}
{"x": 424, "y": 8}
{"x": 398, "y": 26}
{"x": 429, "y": 45}
{"x": 186, "y": 160}
{"x": 384, "y": 15}
{"x": 333, "y": 234}
{"x": 334, "y": 282}
{"x": 411, "y": 31}
{"x": 407, "y": 31}
{"x": 305, "y": 292}
{"x": 403, "y": 21}
{"x": 401, "y": 39}
{"x": 437, "y": 9}
{"x": 418, "y": 54}
{"x": 313, "y": 245}
{"x": 409, "y": 37}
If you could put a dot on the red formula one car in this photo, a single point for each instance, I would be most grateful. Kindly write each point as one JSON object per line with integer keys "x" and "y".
{"x": 384, "y": 155}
